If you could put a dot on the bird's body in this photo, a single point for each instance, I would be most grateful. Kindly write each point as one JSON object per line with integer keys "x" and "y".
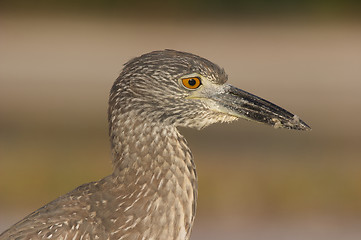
{"x": 152, "y": 191}
{"x": 132, "y": 203}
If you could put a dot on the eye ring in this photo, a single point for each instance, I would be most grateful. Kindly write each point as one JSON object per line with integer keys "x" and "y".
{"x": 191, "y": 82}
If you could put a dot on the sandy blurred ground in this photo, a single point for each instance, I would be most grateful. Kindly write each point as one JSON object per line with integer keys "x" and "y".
{"x": 255, "y": 182}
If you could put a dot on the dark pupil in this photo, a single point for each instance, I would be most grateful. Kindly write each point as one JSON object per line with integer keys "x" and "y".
{"x": 192, "y": 82}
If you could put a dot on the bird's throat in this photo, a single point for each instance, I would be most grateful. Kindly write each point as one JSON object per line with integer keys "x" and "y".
{"x": 153, "y": 161}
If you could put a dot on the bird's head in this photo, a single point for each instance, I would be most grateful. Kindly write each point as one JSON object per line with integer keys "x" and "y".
{"x": 182, "y": 89}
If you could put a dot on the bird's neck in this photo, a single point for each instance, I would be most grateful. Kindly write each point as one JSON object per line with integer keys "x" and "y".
{"x": 139, "y": 143}
{"x": 154, "y": 161}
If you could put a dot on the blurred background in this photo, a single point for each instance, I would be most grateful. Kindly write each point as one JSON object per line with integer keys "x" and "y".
{"x": 58, "y": 60}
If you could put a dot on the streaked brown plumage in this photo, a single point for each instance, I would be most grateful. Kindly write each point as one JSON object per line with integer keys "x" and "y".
{"x": 152, "y": 192}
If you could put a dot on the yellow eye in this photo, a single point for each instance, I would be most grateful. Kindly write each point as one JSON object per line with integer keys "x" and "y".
{"x": 192, "y": 82}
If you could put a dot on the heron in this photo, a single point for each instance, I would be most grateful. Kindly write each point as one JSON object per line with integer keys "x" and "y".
{"x": 152, "y": 191}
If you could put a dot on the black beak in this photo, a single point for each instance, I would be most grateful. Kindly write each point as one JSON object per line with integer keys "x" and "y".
{"x": 239, "y": 103}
